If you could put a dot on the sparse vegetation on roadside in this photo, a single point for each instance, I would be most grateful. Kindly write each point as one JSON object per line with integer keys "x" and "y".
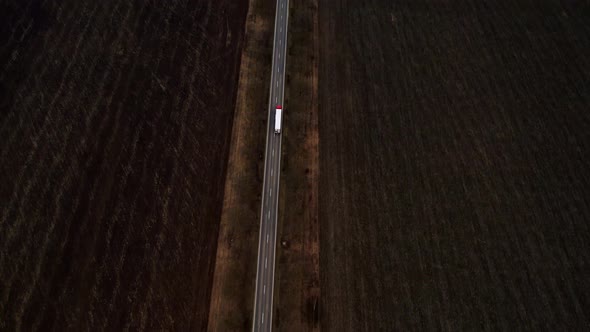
{"x": 232, "y": 297}
{"x": 298, "y": 289}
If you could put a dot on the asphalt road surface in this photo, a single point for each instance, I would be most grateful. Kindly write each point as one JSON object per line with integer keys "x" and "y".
{"x": 263, "y": 298}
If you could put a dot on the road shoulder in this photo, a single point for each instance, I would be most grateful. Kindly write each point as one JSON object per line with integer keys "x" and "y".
{"x": 232, "y": 296}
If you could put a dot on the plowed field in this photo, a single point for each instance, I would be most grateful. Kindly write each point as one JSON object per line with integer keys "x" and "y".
{"x": 115, "y": 119}
{"x": 454, "y": 165}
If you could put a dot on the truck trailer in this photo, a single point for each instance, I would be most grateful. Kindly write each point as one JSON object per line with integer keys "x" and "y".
{"x": 278, "y": 119}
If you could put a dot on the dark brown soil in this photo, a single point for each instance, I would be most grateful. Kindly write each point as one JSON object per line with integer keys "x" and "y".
{"x": 115, "y": 119}
{"x": 454, "y": 165}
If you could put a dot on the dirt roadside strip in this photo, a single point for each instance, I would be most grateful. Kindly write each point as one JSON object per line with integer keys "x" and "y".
{"x": 298, "y": 288}
{"x": 232, "y": 295}
{"x": 297, "y": 272}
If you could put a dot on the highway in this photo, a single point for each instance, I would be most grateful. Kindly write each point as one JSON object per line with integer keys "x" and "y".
{"x": 263, "y": 298}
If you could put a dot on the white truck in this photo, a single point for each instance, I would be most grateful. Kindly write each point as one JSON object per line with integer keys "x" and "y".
{"x": 278, "y": 112}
